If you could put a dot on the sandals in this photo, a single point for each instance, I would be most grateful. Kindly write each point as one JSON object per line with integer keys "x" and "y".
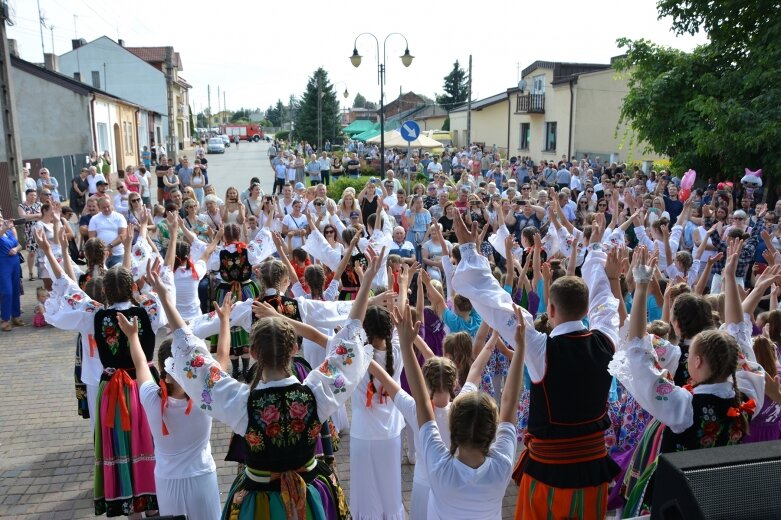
{"x": 6, "y": 326}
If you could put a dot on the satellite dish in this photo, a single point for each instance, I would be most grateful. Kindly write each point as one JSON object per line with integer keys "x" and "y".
{"x": 522, "y": 85}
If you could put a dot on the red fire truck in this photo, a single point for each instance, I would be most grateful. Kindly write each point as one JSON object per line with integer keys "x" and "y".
{"x": 246, "y": 132}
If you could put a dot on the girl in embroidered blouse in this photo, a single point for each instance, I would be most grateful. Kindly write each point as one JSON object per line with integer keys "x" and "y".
{"x": 278, "y": 417}
{"x": 185, "y": 473}
{"x": 124, "y": 452}
{"x": 375, "y": 434}
{"x": 468, "y": 479}
{"x": 727, "y": 385}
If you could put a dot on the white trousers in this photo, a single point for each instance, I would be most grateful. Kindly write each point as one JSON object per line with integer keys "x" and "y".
{"x": 92, "y": 398}
{"x": 375, "y": 479}
{"x": 197, "y": 497}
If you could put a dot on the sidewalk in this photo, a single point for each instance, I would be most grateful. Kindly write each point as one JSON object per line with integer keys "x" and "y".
{"x": 46, "y": 449}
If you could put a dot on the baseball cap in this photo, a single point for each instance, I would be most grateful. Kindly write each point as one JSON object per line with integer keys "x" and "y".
{"x": 354, "y": 214}
{"x": 711, "y": 187}
{"x": 101, "y": 183}
{"x": 299, "y": 186}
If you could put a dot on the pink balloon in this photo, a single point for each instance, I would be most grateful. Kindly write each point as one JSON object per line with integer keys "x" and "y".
{"x": 684, "y": 194}
{"x": 688, "y": 179}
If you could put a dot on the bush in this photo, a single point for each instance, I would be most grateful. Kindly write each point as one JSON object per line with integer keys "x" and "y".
{"x": 282, "y": 136}
{"x": 336, "y": 188}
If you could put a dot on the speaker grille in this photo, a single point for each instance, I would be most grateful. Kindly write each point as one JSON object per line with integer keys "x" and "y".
{"x": 739, "y": 491}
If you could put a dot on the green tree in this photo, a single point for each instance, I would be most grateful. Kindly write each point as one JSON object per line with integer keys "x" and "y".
{"x": 718, "y": 108}
{"x": 359, "y": 101}
{"x": 307, "y": 114}
{"x": 276, "y": 114}
{"x": 446, "y": 124}
{"x": 240, "y": 116}
{"x": 456, "y": 88}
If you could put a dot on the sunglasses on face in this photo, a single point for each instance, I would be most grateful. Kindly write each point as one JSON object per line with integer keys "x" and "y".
{"x": 134, "y": 200}
{"x": 330, "y": 232}
{"x": 318, "y": 203}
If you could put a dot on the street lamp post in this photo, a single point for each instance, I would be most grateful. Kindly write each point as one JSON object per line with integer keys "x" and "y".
{"x": 406, "y": 59}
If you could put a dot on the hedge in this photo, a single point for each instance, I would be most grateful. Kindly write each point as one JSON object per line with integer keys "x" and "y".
{"x": 336, "y": 188}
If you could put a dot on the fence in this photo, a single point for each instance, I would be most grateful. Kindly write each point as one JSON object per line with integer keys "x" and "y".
{"x": 64, "y": 168}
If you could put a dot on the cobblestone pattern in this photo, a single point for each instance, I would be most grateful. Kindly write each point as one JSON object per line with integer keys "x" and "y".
{"x": 46, "y": 450}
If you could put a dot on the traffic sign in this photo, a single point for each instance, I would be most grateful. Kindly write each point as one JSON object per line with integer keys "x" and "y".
{"x": 409, "y": 130}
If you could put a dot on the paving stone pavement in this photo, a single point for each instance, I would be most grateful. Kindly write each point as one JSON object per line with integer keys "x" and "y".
{"x": 46, "y": 449}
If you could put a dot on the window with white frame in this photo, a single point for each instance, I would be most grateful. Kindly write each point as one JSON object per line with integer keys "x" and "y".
{"x": 526, "y": 131}
{"x": 538, "y": 84}
{"x": 550, "y": 137}
{"x": 103, "y": 143}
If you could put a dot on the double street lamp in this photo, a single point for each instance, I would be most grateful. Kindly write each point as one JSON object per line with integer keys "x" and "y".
{"x": 406, "y": 59}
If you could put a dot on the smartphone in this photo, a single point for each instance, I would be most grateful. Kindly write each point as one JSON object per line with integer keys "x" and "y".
{"x": 19, "y": 221}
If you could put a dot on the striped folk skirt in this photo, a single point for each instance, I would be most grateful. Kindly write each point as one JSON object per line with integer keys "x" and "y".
{"x": 124, "y": 452}
{"x": 538, "y": 501}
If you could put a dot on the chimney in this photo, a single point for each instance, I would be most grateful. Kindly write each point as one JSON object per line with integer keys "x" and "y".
{"x": 13, "y": 48}
{"x": 51, "y": 62}
{"x": 121, "y": 42}
{"x": 78, "y": 43}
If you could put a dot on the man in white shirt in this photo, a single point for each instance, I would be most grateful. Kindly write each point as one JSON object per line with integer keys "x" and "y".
{"x": 121, "y": 202}
{"x": 434, "y": 167}
{"x": 92, "y": 180}
{"x": 111, "y": 228}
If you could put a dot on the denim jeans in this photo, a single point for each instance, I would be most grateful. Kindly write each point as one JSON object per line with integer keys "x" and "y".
{"x": 113, "y": 260}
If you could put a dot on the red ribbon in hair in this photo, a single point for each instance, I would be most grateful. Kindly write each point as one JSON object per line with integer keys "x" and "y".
{"x": 188, "y": 264}
{"x": 92, "y": 345}
{"x": 164, "y": 404}
{"x": 747, "y": 407}
{"x": 240, "y": 246}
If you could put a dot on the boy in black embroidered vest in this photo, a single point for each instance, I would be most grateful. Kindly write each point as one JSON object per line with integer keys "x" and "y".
{"x": 727, "y": 383}
{"x": 566, "y": 458}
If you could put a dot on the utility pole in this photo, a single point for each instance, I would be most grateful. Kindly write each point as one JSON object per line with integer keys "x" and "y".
{"x": 224, "y": 104}
{"x": 169, "y": 76}
{"x": 10, "y": 124}
{"x": 41, "y": 25}
{"x": 51, "y": 28}
{"x": 209, "y": 105}
{"x": 219, "y": 112}
{"x": 469, "y": 106}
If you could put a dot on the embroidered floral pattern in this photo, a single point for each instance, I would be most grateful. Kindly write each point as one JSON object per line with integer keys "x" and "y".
{"x": 282, "y": 419}
{"x": 214, "y": 375}
{"x": 346, "y": 351}
{"x": 663, "y": 389}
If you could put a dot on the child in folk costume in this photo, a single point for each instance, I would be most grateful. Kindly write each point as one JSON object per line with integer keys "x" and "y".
{"x": 441, "y": 379}
{"x": 124, "y": 452}
{"x": 185, "y": 473}
{"x": 375, "y": 434}
{"x": 568, "y": 370}
{"x": 766, "y": 423}
{"x": 189, "y": 267}
{"x": 727, "y": 385}
{"x": 469, "y": 478}
{"x": 234, "y": 262}
{"x": 278, "y": 417}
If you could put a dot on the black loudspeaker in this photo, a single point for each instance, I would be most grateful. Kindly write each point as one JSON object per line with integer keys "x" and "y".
{"x": 728, "y": 483}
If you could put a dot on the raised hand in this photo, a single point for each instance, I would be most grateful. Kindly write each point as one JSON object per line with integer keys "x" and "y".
{"x": 128, "y": 327}
{"x": 407, "y": 329}
{"x": 224, "y": 310}
{"x": 597, "y": 228}
{"x": 615, "y": 262}
{"x": 263, "y": 310}
{"x": 153, "y": 276}
{"x": 733, "y": 255}
{"x": 642, "y": 265}
{"x": 464, "y": 235}
{"x": 374, "y": 266}
{"x": 520, "y": 328}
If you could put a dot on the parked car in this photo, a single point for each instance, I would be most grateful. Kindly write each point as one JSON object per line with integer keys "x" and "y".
{"x": 215, "y": 145}
{"x": 225, "y": 140}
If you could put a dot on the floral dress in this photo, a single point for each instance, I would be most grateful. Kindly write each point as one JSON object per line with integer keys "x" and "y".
{"x": 280, "y": 422}
{"x": 29, "y": 239}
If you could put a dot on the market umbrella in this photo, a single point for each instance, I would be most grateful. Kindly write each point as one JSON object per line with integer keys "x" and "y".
{"x": 393, "y": 139}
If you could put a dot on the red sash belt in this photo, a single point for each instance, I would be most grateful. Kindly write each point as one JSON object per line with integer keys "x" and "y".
{"x": 567, "y": 451}
{"x": 115, "y": 392}
{"x": 572, "y": 450}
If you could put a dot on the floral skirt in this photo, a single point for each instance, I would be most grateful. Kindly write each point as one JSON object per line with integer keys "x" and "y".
{"x": 124, "y": 460}
{"x": 325, "y": 499}
{"x": 239, "y": 336}
{"x": 82, "y": 406}
{"x": 641, "y": 468}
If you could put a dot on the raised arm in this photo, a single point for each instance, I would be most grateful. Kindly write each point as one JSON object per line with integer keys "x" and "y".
{"x": 264, "y": 310}
{"x": 407, "y": 331}
{"x": 386, "y": 380}
{"x": 224, "y": 339}
{"x": 733, "y": 309}
{"x": 512, "y": 386}
{"x": 175, "y": 321}
{"x": 130, "y": 329}
{"x": 173, "y": 231}
{"x": 278, "y": 242}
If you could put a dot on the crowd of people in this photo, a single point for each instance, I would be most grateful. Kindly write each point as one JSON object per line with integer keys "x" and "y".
{"x": 596, "y": 314}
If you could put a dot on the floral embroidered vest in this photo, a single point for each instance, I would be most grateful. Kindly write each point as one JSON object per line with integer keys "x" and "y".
{"x": 284, "y": 305}
{"x": 283, "y": 428}
{"x": 682, "y": 376}
{"x": 235, "y": 266}
{"x": 112, "y": 343}
{"x": 712, "y": 427}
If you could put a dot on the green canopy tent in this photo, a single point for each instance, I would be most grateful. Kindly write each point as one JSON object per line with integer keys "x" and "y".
{"x": 368, "y": 134}
{"x": 359, "y": 126}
